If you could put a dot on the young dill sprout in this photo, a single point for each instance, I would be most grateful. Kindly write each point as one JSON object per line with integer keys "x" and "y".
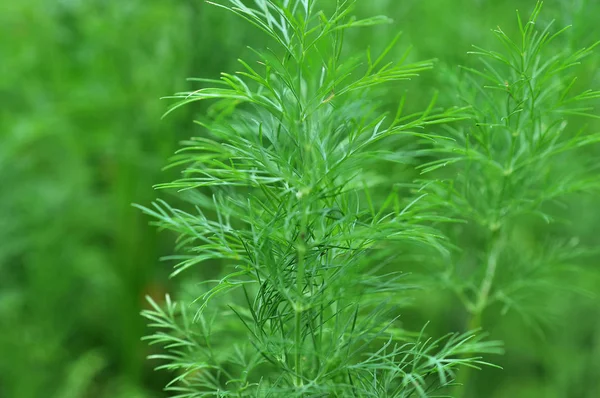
{"x": 283, "y": 205}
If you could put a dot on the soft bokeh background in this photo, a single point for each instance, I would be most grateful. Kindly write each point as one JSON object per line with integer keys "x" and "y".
{"x": 81, "y": 139}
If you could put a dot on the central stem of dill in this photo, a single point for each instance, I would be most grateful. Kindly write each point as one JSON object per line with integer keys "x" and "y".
{"x": 476, "y": 311}
{"x": 299, "y": 304}
{"x": 298, "y": 316}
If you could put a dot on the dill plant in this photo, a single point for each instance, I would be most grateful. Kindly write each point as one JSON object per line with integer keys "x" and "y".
{"x": 279, "y": 191}
{"x": 517, "y": 160}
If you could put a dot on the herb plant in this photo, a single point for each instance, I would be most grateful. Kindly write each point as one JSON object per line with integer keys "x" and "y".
{"x": 284, "y": 191}
{"x": 511, "y": 164}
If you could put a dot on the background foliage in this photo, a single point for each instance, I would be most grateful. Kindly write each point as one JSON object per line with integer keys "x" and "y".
{"x": 81, "y": 139}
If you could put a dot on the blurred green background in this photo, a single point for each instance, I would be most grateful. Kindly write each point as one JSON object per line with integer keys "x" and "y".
{"x": 81, "y": 139}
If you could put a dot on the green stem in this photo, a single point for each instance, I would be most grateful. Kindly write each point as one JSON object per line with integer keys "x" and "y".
{"x": 297, "y": 343}
{"x": 476, "y": 311}
{"x": 299, "y": 304}
{"x": 298, "y": 318}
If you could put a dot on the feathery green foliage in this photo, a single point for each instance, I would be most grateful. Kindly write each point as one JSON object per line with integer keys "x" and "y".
{"x": 510, "y": 164}
{"x": 507, "y": 162}
{"x": 281, "y": 192}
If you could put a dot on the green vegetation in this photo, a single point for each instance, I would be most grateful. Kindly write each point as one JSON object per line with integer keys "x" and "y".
{"x": 350, "y": 218}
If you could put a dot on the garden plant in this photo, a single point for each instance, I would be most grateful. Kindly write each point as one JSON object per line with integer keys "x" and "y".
{"x": 287, "y": 193}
